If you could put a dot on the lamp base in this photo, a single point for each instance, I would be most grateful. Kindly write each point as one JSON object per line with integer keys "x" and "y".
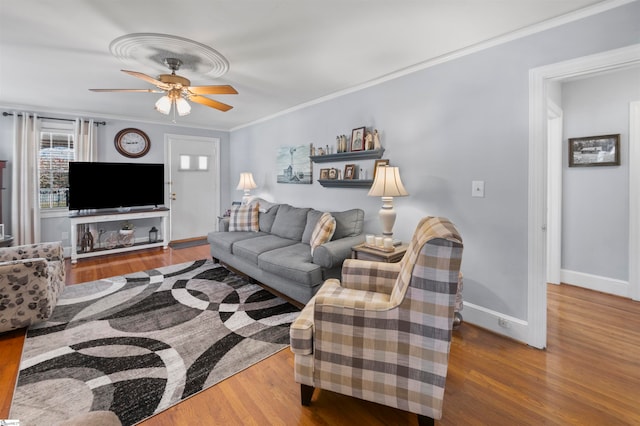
{"x": 387, "y": 216}
{"x": 246, "y": 197}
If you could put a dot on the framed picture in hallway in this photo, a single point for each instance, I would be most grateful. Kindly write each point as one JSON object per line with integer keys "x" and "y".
{"x": 594, "y": 151}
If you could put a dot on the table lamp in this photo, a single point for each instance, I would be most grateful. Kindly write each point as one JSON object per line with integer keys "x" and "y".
{"x": 246, "y": 184}
{"x": 387, "y": 184}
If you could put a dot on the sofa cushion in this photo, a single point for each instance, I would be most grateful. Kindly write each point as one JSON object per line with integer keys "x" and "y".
{"x": 323, "y": 231}
{"x": 224, "y": 241}
{"x": 244, "y": 218}
{"x": 290, "y": 222}
{"x": 349, "y": 223}
{"x": 312, "y": 219}
{"x": 292, "y": 262}
{"x": 263, "y": 205}
{"x": 266, "y": 218}
{"x": 250, "y": 249}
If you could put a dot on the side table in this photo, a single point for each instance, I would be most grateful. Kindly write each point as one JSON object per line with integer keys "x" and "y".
{"x": 223, "y": 223}
{"x": 6, "y": 241}
{"x": 365, "y": 253}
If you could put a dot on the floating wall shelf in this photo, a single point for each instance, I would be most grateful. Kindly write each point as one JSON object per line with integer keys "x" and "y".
{"x": 345, "y": 183}
{"x": 348, "y": 156}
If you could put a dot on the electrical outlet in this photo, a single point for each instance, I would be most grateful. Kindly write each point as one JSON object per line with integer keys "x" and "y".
{"x": 504, "y": 323}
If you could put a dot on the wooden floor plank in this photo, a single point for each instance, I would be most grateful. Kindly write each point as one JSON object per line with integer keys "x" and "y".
{"x": 589, "y": 373}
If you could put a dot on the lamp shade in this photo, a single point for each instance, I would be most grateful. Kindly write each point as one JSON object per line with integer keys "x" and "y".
{"x": 387, "y": 183}
{"x": 246, "y": 181}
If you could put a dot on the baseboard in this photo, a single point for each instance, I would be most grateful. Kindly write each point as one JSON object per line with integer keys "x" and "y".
{"x": 497, "y": 322}
{"x": 595, "y": 282}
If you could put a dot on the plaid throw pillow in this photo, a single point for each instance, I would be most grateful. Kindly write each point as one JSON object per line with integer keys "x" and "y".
{"x": 244, "y": 218}
{"x": 323, "y": 231}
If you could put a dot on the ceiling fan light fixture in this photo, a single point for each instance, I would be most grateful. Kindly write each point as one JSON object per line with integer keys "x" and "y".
{"x": 177, "y": 90}
{"x": 163, "y": 105}
{"x": 183, "y": 107}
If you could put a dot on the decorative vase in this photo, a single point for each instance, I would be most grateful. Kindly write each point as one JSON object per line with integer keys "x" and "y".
{"x": 126, "y": 237}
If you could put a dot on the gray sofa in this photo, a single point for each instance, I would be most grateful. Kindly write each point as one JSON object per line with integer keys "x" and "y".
{"x": 279, "y": 254}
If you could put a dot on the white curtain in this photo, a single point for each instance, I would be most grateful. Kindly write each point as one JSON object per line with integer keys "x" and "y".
{"x": 86, "y": 140}
{"x": 25, "y": 192}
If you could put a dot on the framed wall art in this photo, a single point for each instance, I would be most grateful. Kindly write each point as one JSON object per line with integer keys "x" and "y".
{"x": 594, "y": 151}
{"x": 378, "y": 163}
{"x": 324, "y": 174}
{"x": 357, "y": 139}
{"x": 350, "y": 171}
{"x": 294, "y": 164}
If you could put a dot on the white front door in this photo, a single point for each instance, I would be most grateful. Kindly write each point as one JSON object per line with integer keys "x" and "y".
{"x": 193, "y": 168}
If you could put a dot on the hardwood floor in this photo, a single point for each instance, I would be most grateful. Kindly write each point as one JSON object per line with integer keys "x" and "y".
{"x": 589, "y": 374}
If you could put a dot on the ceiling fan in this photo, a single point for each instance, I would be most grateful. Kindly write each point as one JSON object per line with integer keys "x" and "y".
{"x": 177, "y": 90}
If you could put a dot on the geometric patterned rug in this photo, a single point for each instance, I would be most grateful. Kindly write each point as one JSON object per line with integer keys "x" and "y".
{"x": 140, "y": 343}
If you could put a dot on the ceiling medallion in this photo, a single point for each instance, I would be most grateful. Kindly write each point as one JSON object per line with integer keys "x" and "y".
{"x": 151, "y": 49}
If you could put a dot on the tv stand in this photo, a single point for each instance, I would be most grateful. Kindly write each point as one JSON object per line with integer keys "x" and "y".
{"x": 85, "y": 218}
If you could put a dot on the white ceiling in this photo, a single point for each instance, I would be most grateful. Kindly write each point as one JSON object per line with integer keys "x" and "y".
{"x": 282, "y": 53}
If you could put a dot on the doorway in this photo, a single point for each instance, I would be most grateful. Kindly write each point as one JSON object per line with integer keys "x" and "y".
{"x": 539, "y": 80}
{"x": 193, "y": 188}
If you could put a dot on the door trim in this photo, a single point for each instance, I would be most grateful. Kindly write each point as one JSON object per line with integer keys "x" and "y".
{"x": 554, "y": 194}
{"x": 634, "y": 200}
{"x": 537, "y": 200}
{"x": 169, "y": 139}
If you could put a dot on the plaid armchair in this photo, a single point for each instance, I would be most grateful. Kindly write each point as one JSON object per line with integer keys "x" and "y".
{"x": 383, "y": 333}
{"x": 31, "y": 279}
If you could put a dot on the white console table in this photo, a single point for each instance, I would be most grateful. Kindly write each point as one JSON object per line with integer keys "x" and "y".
{"x": 100, "y": 217}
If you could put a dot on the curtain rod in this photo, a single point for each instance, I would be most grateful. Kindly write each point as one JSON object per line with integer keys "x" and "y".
{"x": 97, "y": 123}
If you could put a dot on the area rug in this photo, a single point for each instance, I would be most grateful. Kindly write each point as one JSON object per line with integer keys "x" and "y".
{"x": 140, "y": 343}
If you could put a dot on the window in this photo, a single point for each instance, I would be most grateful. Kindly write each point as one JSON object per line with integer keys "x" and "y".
{"x": 56, "y": 150}
{"x": 194, "y": 162}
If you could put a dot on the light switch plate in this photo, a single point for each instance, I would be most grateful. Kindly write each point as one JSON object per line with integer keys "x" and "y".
{"x": 477, "y": 188}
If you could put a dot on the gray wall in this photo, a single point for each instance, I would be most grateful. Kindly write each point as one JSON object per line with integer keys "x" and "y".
{"x": 444, "y": 126}
{"x": 595, "y": 210}
{"x": 54, "y": 227}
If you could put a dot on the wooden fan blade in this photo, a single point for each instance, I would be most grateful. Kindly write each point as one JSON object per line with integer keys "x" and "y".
{"x": 210, "y": 103}
{"x": 213, "y": 90}
{"x": 148, "y": 79}
{"x": 128, "y": 90}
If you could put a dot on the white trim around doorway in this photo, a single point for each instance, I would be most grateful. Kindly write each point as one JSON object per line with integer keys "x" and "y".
{"x": 537, "y": 202}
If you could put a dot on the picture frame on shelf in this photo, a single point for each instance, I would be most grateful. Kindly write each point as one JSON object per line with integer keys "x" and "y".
{"x": 333, "y": 173}
{"x": 349, "y": 171}
{"x": 357, "y": 139}
{"x": 378, "y": 163}
{"x": 324, "y": 174}
{"x": 592, "y": 151}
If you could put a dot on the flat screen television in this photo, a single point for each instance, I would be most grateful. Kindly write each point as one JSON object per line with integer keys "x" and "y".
{"x": 115, "y": 185}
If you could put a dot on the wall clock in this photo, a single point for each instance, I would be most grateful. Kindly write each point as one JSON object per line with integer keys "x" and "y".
{"x": 132, "y": 143}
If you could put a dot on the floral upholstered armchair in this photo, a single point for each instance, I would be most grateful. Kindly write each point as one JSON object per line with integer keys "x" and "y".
{"x": 31, "y": 280}
{"x": 383, "y": 333}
